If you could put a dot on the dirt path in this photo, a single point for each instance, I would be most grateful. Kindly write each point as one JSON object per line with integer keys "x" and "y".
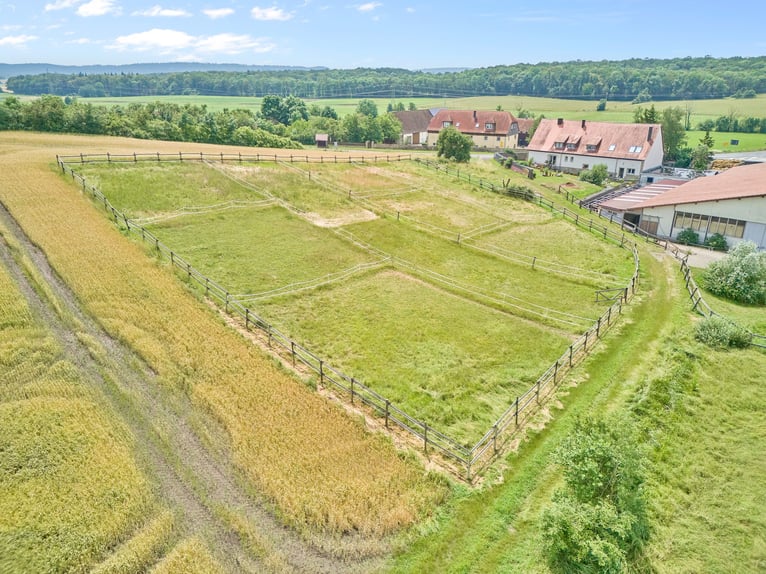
{"x": 193, "y": 481}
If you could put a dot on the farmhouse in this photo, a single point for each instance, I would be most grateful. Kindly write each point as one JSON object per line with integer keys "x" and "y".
{"x": 414, "y": 126}
{"x": 732, "y": 203}
{"x": 574, "y": 145}
{"x": 493, "y": 129}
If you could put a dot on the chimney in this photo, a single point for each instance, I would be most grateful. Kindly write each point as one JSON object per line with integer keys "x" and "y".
{"x": 474, "y": 115}
{"x": 649, "y": 137}
{"x": 560, "y": 121}
{"x": 583, "y": 124}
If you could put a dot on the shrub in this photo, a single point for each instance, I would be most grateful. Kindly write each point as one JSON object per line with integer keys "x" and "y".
{"x": 720, "y": 333}
{"x": 740, "y": 276}
{"x": 688, "y": 237}
{"x": 597, "y": 175}
{"x": 598, "y": 522}
{"x": 718, "y": 242}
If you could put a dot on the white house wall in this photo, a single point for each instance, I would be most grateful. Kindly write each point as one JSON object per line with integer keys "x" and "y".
{"x": 580, "y": 162}
{"x": 751, "y": 210}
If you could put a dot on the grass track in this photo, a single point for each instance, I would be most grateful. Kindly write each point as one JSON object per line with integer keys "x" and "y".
{"x": 495, "y": 530}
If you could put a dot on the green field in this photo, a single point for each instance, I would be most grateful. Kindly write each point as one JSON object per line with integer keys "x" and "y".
{"x": 616, "y": 111}
{"x": 507, "y": 283}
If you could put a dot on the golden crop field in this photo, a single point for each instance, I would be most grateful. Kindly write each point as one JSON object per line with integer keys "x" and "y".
{"x": 70, "y": 487}
{"x": 321, "y": 469}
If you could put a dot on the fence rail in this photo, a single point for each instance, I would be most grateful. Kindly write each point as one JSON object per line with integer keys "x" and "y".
{"x": 472, "y": 459}
{"x": 229, "y": 157}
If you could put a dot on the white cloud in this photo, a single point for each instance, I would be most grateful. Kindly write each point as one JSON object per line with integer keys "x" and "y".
{"x": 158, "y": 10}
{"x": 61, "y": 4}
{"x": 369, "y": 6}
{"x": 80, "y": 41}
{"x": 98, "y": 8}
{"x": 232, "y": 44}
{"x": 156, "y": 39}
{"x": 17, "y": 41}
{"x": 215, "y": 13}
{"x": 272, "y": 13}
{"x": 184, "y": 46}
{"x": 10, "y": 27}
{"x": 409, "y": 10}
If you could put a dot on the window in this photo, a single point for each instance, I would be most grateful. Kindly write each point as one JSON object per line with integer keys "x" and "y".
{"x": 591, "y": 148}
{"x": 558, "y": 145}
{"x": 489, "y": 126}
{"x": 612, "y": 147}
{"x": 485, "y": 138}
{"x": 446, "y": 124}
{"x": 635, "y": 149}
{"x": 631, "y": 171}
{"x": 571, "y": 146}
{"x": 710, "y": 224}
{"x": 585, "y": 166}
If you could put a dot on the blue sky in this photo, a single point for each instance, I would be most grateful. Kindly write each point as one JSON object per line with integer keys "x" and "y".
{"x": 411, "y": 34}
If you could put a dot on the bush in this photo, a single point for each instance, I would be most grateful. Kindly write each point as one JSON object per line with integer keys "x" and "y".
{"x": 688, "y": 237}
{"x": 598, "y": 522}
{"x": 720, "y": 333}
{"x": 717, "y": 242}
{"x": 598, "y": 175}
{"x": 740, "y": 276}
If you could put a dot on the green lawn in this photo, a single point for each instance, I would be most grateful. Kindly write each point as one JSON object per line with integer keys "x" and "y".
{"x": 450, "y": 332}
{"x": 253, "y": 250}
{"x": 444, "y": 359}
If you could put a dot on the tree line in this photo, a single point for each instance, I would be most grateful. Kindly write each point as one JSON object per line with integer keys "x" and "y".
{"x": 657, "y": 79}
{"x": 281, "y": 123}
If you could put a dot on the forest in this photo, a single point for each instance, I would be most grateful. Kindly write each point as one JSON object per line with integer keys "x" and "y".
{"x": 625, "y": 80}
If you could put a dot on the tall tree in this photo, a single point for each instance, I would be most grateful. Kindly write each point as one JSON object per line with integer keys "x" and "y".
{"x": 673, "y": 134}
{"x": 367, "y": 108}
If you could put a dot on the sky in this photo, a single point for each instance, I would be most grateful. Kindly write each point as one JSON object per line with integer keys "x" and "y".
{"x": 413, "y": 34}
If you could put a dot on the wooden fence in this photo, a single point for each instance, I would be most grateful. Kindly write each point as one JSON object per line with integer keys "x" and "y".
{"x": 471, "y": 459}
{"x": 229, "y": 158}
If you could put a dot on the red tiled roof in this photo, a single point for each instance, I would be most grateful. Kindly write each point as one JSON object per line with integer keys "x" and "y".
{"x": 631, "y": 199}
{"x": 474, "y": 121}
{"x": 525, "y": 124}
{"x": 414, "y": 120}
{"x": 602, "y": 134}
{"x": 734, "y": 183}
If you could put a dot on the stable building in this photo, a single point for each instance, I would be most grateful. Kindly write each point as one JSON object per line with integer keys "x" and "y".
{"x": 732, "y": 203}
{"x": 571, "y": 146}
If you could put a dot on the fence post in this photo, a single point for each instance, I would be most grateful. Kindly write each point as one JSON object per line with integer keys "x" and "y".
{"x": 352, "y": 390}
{"x": 292, "y": 351}
{"x": 555, "y": 371}
{"x": 609, "y": 316}
{"x": 388, "y": 404}
{"x": 494, "y": 438}
{"x": 172, "y": 259}
{"x": 425, "y": 438}
{"x": 517, "y": 411}
{"x": 247, "y": 318}
{"x": 598, "y": 328}
{"x": 585, "y": 344}
{"x": 533, "y": 262}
